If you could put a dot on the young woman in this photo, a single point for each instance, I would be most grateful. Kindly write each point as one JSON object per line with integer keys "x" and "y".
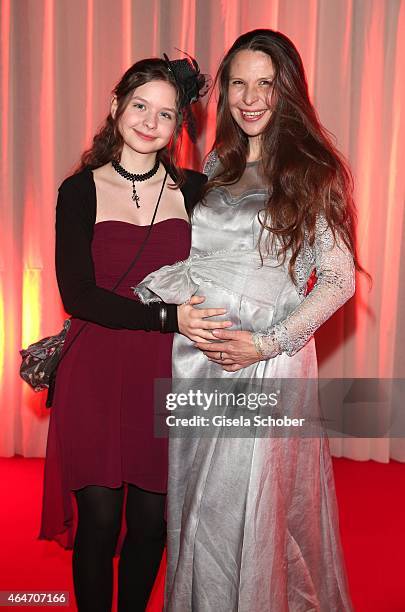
{"x": 101, "y": 430}
{"x": 253, "y": 522}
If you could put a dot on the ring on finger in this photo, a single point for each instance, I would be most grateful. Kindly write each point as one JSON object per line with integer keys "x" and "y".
{"x": 220, "y": 355}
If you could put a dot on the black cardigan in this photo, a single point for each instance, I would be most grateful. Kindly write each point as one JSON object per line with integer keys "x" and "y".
{"x": 75, "y": 218}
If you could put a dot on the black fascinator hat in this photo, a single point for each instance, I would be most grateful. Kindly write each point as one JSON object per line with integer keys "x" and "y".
{"x": 192, "y": 85}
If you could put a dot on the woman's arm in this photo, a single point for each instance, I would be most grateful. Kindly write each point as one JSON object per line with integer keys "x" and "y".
{"x": 335, "y": 285}
{"x": 80, "y": 294}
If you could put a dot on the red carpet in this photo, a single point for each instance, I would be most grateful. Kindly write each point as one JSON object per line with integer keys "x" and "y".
{"x": 372, "y": 508}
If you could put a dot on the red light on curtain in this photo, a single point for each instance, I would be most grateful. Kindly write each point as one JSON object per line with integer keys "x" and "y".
{"x": 187, "y": 44}
{"x": 4, "y": 172}
{"x": 126, "y": 34}
{"x": 2, "y": 333}
{"x": 89, "y": 71}
{"x": 31, "y": 306}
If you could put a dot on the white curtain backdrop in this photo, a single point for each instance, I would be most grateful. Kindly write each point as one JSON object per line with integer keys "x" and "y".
{"x": 59, "y": 62}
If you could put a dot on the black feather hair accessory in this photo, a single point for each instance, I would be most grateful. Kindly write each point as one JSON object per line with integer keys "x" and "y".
{"x": 192, "y": 85}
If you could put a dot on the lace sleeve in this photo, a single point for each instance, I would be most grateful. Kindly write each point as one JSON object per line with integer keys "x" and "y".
{"x": 335, "y": 285}
{"x": 211, "y": 164}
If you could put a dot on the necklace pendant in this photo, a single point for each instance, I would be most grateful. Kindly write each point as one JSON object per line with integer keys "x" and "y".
{"x": 135, "y": 196}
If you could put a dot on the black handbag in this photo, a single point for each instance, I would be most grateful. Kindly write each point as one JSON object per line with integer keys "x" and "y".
{"x": 41, "y": 359}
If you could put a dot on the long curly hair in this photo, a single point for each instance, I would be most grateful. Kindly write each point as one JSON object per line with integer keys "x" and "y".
{"x": 108, "y": 142}
{"x": 306, "y": 175}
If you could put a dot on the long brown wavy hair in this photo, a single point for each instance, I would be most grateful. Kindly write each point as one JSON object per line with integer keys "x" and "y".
{"x": 108, "y": 142}
{"x": 306, "y": 174}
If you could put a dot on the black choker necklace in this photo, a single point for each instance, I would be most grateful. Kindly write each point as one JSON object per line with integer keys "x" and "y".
{"x": 135, "y": 177}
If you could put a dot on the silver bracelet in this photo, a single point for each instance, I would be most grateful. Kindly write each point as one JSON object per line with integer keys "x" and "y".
{"x": 163, "y": 318}
{"x": 257, "y": 341}
{"x": 267, "y": 344}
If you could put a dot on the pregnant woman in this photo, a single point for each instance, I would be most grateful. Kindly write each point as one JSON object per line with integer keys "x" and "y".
{"x": 253, "y": 522}
{"x": 127, "y": 201}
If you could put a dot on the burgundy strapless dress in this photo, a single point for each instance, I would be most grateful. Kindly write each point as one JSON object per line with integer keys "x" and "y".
{"x": 101, "y": 425}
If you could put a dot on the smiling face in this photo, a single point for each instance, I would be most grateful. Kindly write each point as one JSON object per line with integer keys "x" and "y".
{"x": 250, "y": 91}
{"x": 149, "y": 120}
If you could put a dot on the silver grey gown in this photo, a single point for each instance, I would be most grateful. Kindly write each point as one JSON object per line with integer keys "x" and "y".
{"x": 253, "y": 522}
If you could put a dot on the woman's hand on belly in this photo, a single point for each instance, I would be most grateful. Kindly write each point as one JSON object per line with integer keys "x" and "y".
{"x": 235, "y": 351}
{"x": 193, "y": 321}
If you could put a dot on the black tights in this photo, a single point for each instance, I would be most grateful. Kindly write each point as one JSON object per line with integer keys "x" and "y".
{"x": 100, "y": 512}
